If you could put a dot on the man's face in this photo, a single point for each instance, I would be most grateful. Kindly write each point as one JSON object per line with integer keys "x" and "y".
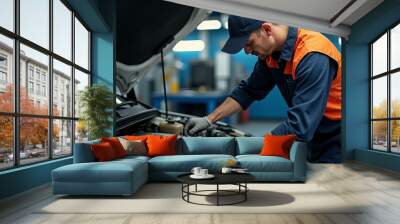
{"x": 260, "y": 43}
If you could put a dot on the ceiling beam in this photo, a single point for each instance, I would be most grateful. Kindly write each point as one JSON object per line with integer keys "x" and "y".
{"x": 347, "y": 11}
{"x": 267, "y": 14}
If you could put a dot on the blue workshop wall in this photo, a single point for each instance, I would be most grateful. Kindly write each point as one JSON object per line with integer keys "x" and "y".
{"x": 90, "y": 12}
{"x": 356, "y": 85}
{"x": 103, "y": 53}
{"x": 24, "y": 178}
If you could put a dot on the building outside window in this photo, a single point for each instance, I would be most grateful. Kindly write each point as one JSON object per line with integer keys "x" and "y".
{"x": 30, "y": 72}
{"x": 55, "y": 98}
{"x": 3, "y": 61}
{"x": 37, "y": 75}
{"x": 3, "y": 78}
{"x": 385, "y": 96}
{"x": 3, "y": 71}
{"x": 30, "y": 87}
{"x": 43, "y": 90}
{"x": 38, "y": 89}
{"x": 43, "y": 78}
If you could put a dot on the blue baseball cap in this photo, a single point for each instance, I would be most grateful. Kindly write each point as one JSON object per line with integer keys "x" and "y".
{"x": 240, "y": 29}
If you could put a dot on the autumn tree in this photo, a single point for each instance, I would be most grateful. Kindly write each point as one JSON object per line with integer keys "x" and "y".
{"x": 6, "y": 122}
{"x": 380, "y": 127}
{"x": 33, "y": 131}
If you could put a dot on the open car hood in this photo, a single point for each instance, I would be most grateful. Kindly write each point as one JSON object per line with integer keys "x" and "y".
{"x": 143, "y": 29}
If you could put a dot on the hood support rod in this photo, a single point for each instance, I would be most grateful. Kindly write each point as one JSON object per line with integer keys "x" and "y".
{"x": 160, "y": 49}
{"x": 165, "y": 89}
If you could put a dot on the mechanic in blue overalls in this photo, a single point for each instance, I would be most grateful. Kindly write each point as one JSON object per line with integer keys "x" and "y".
{"x": 305, "y": 66}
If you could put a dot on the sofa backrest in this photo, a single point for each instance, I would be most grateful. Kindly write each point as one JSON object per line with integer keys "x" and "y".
{"x": 83, "y": 152}
{"x": 249, "y": 145}
{"x": 206, "y": 145}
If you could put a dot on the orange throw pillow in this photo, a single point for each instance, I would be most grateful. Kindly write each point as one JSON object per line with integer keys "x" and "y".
{"x": 103, "y": 151}
{"x": 116, "y": 145}
{"x": 136, "y": 137}
{"x": 275, "y": 145}
{"x": 159, "y": 145}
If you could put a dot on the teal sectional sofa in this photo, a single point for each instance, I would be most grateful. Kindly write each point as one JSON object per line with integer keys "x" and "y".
{"x": 125, "y": 176}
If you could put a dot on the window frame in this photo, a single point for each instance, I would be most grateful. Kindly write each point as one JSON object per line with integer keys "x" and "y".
{"x": 388, "y": 74}
{"x": 16, "y": 114}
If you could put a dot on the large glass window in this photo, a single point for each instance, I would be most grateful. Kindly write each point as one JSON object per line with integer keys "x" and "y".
{"x": 7, "y": 14}
{"x": 6, "y": 74}
{"x": 379, "y": 97}
{"x": 81, "y": 45}
{"x": 6, "y": 142}
{"x": 379, "y": 56}
{"x": 385, "y": 95}
{"x": 40, "y": 62}
{"x": 81, "y": 81}
{"x": 34, "y": 21}
{"x": 62, "y": 29}
{"x": 62, "y": 137}
{"x": 395, "y": 47}
{"x": 49, "y": 81}
{"x": 62, "y": 93}
{"x": 33, "y": 140}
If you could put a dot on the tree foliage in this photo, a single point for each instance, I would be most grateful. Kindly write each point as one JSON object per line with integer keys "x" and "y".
{"x": 33, "y": 131}
{"x": 379, "y": 128}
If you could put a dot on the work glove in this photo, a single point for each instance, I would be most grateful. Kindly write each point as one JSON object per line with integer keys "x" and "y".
{"x": 196, "y": 124}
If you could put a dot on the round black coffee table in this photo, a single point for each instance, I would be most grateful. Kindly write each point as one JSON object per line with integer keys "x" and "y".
{"x": 238, "y": 179}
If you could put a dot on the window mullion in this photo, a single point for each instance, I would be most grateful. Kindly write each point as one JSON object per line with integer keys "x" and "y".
{"x": 73, "y": 83}
{"x": 16, "y": 84}
{"x": 371, "y": 89}
{"x": 50, "y": 81}
{"x": 389, "y": 106}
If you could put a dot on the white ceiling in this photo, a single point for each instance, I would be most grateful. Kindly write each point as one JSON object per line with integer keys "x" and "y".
{"x": 321, "y": 9}
{"x": 328, "y": 16}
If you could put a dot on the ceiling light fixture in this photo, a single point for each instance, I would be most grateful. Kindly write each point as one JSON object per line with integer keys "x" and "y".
{"x": 209, "y": 25}
{"x": 189, "y": 45}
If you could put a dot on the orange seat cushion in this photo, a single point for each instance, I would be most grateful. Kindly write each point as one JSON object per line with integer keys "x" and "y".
{"x": 103, "y": 152}
{"x": 158, "y": 145}
{"x": 116, "y": 145}
{"x": 275, "y": 145}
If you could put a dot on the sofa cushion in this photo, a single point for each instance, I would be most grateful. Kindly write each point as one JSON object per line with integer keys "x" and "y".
{"x": 112, "y": 171}
{"x": 93, "y": 172}
{"x": 103, "y": 152}
{"x": 116, "y": 145}
{"x": 248, "y": 145}
{"x": 207, "y": 145}
{"x": 185, "y": 163}
{"x": 135, "y": 137}
{"x": 134, "y": 147}
{"x": 257, "y": 163}
{"x": 277, "y": 145}
{"x": 159, "y": 145}
{"x": 130, "y": 158}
